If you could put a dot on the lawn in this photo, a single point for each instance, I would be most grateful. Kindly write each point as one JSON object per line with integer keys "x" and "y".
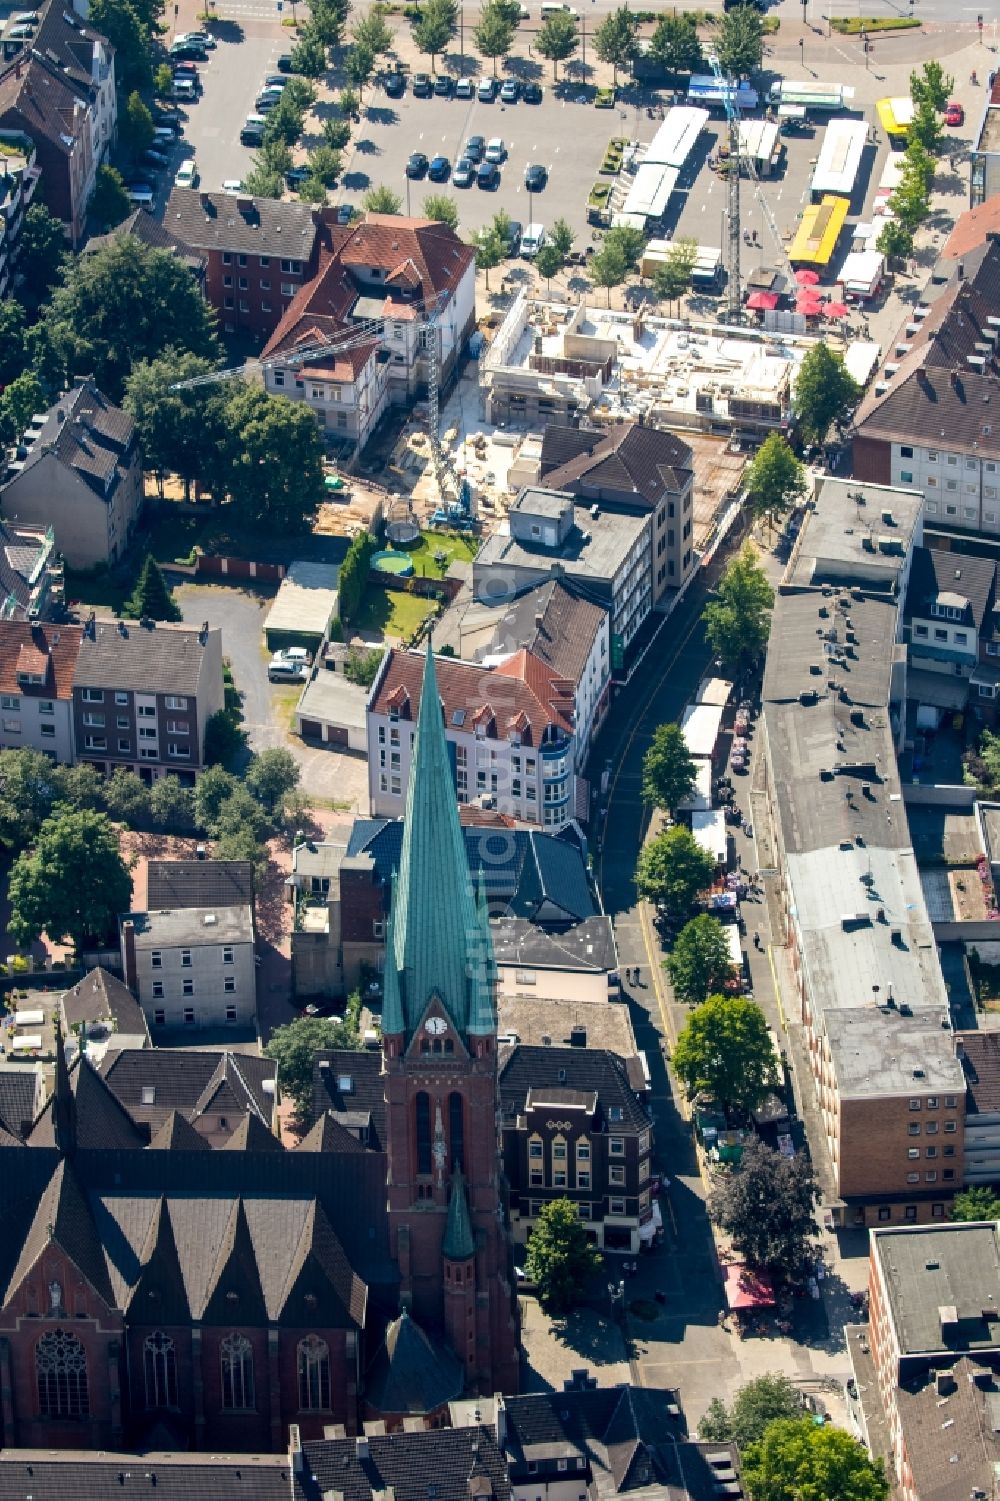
{"x": 98, "y": 589}
{"x": 390, "y": 612}
{"x": 452, "y": 544}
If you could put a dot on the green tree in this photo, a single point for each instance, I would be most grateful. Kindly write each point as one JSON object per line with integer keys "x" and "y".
{"x": 926, "y": 128}
{"x": 82, "y": 786}
{"x": 738, "y": 619}
{"x": 352, "y": 583}
{"x": 762, "y": 1401}
{"x": 47, "y": 891}
{"x": 767, "y": 1206}
{"x": 675, "y": 44}
{"x": 180, "y": 431}
{"x": 557, "y": 39}
{"x": 672, "y": 278}
{"x": 294, "y": 1047}
{"x": 548, "y": 263}
{"x": 560, "y": 1258}
{"x": 774, "y": 479}
{"x": 336, "y": 134}
{"x": 163, "y": 81}
{"x": 137, "y": 126}
{"x": 443, "y": 209}
{"x": 490, "y": 251}
{"x": 673, "y": 869}
{"x": 263, "y": 181}
{"x": 435, "y": 28}
{"x": 740, "y": 44}
{"x": 312, "y": 190}
{"x": 631, "y": 242}
{"x": 668, "y": 768}
{"x": 918, "y": 167}
{"x": 362, "y": 666}
{"x": 327, "y": 22}
{"x": 30, "y": 786}
{"x": 42, "y": 253}
{"x": 795, "y": 1458}
{"x": 309, "y": 53}
{"x": 699, "y": 963}
{"x": 325, "y": 164}
{"x": 124, "y": 303}
{"x": 126, "y": 798}
{"x": 608, "y": 268}
{"x": 274, "y": 459}
{"x": 359, "y": 65}
{"x": 18, "y": 404}
{"x": 349, "y": 104}
{"x": 13, "y": 347}
{"x": 894, "y": 241}
{"x": 213, "y": 789}
{"x": 285, "y": 121}
{"x": 224, "y": 740}
{"x": 561, "y": 237}
{"x": 109, "y": 202}
{"x": 932, "y": 85}
{"x": 976, "y": 1204}
{"x": 270, "y": 775}
{"x": 825, "y": 392}
{"x": 371, "y": 31}
{"x": 151, "y": 599}
{"x": 494, "y": 35}
{"x": 382, "y": 200}
{"x": 616, "y": 40}
{"x": 724, "y": 1051}
{"x": 241, "y": 813}
{"x": 171, "y": 805}
{"x": 120, "y": 22}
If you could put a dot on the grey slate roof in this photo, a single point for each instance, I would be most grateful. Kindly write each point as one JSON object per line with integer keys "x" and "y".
{"x": 141, "y": 226}
{"x": 47, "y": 1475}
{"x": 362, "y": 1107}
{"x": 17, "y": 1098}
{"x": 154, "y": 658}
{"x": 398, "y": 1464}
{"x": 981, "y": 1062}
{"x": 933, "y": 573}
{"x": 188, "y": 1081}
{"x": 590, "y": 1071}
{"x": 638, "y": 463}
{"x": 100, "y": 995}
{"x": 412, "y": 1373}
{"x": 99, "y": 1119}
{"x": 89, "y": 435}
{"x": 266, "y": 226}
{"x": 524, "y": 870}
{"x": 586, "y": 946}
{"x": 198, "y": 883}
{"x": 554, "y": 624}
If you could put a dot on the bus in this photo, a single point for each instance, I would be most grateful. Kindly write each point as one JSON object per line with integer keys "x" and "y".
{"x": 839, "y": 160}
{"x": 822, "y": 97}
{"x": 818, "y": 232}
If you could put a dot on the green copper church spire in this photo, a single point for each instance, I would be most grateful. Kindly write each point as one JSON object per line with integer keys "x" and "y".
{"x": 459, "y": 1243}
{"x": 437, "y": 937}
{"x": 392, "y": 1005}
{"x": 482, "y": 1018}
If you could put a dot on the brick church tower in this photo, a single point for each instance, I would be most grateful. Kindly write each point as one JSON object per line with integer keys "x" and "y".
{"x": 447, "y": 1216}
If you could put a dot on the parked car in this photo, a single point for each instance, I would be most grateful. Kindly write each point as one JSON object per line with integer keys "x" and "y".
{"x": 265, "y": 103}
{"x": 954, "y": 114}
{"x": 283, "y": 669}
{"x": 510, "y": 91}
{"x": 186, "y": 70}
{"x": 464, "y": 88}
{"x": 185, "y": 88}
{"x": 532, "y": 93}
{"x": 233, "y": 185}
{"x": 417, "y": 164}
{"x": 535, "y": 178}
{"x": 496, "y": 151}
{"x": 276, "y": 81}
{"x": 395, "y": 85}
{"x": 439, "y": 169}
{"x": 532, "y": 240}
{"x": 423, "y": 86}
{"x": 488, "y": 175}
{"x": 140, "y": 194}
{"x": 199, "y": 38}
{"x": 284, "y": 63}
{"x": 252, "y": 133}
{"x": 514, "y": 231}
{"x": 187, "y": 175}
{"x": 465, "y": 171}
{"x": 154, "y": 159}
{"x": 474, "y": 148}
{"x": 487, "y": 90}
{"x": 296, "y": 176}
{"x": 164, "y": 137}
{"x": 188, "y": 52}
{"x": 443, "y": 85}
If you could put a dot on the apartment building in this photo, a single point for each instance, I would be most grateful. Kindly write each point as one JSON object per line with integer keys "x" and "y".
{"x": 192, "y": 966}
{"x": 78, "y": 471}
{"x": 984, "y": 157}
{"x": 18, "y": 182}
{"x": 953, "y": 631}
{"x": 574, "y": 1127}
{"x": 259, "y": 253}
{"x": 37, "y": 663}
{"x": 563, "y": 628}
{"x": 929, "y": 420}
{"x": 37, "y": 100}
{"x": 511, "y": 728}
{"x": 143, "y": 693}
{"x": 384, "y": 276}
{"x": 871, "y": 1004}
{"x": 925, "y": 1394}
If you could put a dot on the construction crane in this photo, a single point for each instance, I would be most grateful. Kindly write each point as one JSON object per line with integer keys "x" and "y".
{"x": 373, "y": 329}
{"x": 738, "y": 159}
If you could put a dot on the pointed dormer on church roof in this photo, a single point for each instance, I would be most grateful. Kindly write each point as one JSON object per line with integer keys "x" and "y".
{"x": 438, "y": 943}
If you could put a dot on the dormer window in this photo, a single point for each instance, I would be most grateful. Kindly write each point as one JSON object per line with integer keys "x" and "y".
{"x": 25, "y": 678}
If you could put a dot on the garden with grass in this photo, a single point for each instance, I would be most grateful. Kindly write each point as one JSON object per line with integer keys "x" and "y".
{"x": 391, "y": 613}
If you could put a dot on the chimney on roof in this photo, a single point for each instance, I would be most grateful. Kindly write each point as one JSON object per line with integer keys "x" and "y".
{"x": 129, "y": 965}
{"x": 361, "y": 1446}
{"x": 954, "y": 380}
{"x": 203, "y": 633}
{"x": 961, "y": 269}
{"x": 501, "y": 1419}
{"x": 959, "y": 1048}
{"x": 295, "y": 1448}
{"x": 923, "y": 379}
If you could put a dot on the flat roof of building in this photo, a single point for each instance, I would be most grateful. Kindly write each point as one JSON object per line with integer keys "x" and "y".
{"x": 878, "y": 1052}
{"x": 940, "y": 1279}
{"x": 334, "y": 699}
{"x": 192, "y": 927}
{"x": 586, "y": 947}
{"x": 539, "y": 1022}
{"x": 306, "y": 600}
{"x": 595, "y": 548}
{"x": 850, "y": 538}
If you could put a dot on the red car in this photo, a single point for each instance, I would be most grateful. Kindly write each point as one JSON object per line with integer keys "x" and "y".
{"x": 954, "y": 114}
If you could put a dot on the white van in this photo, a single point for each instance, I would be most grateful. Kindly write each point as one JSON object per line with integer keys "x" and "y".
{"x": 532, "y": 240}
{"x": 551, "y": 8}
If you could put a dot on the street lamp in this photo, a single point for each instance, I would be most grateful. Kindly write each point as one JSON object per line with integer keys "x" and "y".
{"x": 802, "y": 50}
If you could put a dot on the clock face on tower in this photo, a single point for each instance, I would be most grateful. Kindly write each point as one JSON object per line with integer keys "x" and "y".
{"x": 435, "y": 1025}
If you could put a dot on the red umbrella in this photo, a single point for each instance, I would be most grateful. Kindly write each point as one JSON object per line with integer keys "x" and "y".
{"x": 811, "y": 306}
{"x": 807, "y": 278}
{"x": 837, "y": 310}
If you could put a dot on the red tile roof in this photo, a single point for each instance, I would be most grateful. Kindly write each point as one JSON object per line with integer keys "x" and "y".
{"x": 47, "y": 649}
{"x": 521, "y": 695}
{"x": 388, "y": 241}
{"x": 973, "y": 228}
